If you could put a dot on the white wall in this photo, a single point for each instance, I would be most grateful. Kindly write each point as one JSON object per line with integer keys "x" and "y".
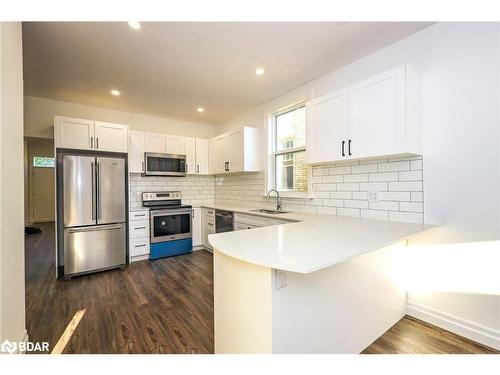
{"x": 12, "y": 314}
{"x": 459, "y": 63}
{"x": 39, "y": 119}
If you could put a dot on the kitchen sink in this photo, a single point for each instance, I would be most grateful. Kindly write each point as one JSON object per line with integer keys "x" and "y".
{"x": 268, "y": 211}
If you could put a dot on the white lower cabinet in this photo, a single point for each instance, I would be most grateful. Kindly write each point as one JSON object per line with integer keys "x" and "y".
{"x": 208, "y": 225}
{"x": 138, "y": 235}
{"x": 245, "y": 221}
{"x": 196, "y": 227}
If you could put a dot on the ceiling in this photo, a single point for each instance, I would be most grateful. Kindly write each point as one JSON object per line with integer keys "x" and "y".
{"x": 169, "y": 69}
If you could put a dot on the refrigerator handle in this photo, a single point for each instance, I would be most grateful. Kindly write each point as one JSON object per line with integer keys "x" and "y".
{"x": 98, "y": 205}
{"x": 92, "y": 174}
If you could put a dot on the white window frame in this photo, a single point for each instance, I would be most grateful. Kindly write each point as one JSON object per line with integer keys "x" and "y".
{"x": 273, "y": 154}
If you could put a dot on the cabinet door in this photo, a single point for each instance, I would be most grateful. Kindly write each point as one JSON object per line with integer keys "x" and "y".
{"x": 190, "y": 151}
{"x": 327, "y": 127}
{"x": 174, "y": 145}
{"x": 74, "y": 133}
{"x": 111, "y": 137}
{"x": 135, "y": 151}
{"x": 376, "y": 124}
{"x": 154, "y": 142}
{"x": 212, "y": 157}
{"x": 202, "y": 156}
{"x": 236, "y": 151}
{"x": 197, "y": 235}
{"x": 221, "y": 154}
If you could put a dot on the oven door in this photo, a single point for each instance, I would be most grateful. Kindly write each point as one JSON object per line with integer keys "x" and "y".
{"x": 164, "y": 164}
{"x": 170, "y": 225}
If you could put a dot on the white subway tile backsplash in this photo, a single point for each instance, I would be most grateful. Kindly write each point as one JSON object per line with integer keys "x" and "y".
{"x": 353, "y": 186}
{"x": 394, "y": 166}
{"x": 356, "y": 177}
{"x": 341, "y": 194}
{"x": 338, "y": 189}
{"x": 406, "y": 186}
{"x": 411, "y": 206}
{"x": 364, "y": 168}
{"x": 410, "y": 176}
{"x": 383, "y": 176}
{"x": 354, "y": 212}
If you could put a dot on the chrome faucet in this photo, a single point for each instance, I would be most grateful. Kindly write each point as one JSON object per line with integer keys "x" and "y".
{"x": 278, "y": 199}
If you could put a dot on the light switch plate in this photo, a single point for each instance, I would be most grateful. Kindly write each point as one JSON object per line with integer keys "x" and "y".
{"x": 280, "y": 279}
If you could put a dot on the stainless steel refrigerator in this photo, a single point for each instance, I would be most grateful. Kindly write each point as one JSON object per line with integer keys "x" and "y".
{"x": 94, "y": 202}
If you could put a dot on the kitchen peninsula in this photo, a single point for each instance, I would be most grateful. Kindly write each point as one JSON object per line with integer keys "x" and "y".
{"x": 325, "y": 284}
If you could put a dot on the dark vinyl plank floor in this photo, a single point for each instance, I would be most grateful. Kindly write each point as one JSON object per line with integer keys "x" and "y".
{"x": 165, "y": 306}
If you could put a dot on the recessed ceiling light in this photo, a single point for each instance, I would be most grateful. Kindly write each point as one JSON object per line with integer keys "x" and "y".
{"x": 134, "y": 25}
{"x": 259, "y": 71}
{"x": 115, "y": 92}
{"x": 200, "y": 109}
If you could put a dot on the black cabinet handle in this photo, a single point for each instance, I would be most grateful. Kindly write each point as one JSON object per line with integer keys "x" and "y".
{"x": 343, "y": 144}
{"x": 97, "y": 143}
{"x": 349, "y": 147}
{"x": 228, "y": 166}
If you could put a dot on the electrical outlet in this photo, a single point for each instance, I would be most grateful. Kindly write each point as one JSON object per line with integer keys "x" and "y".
{"x": 373, "y": 196}
{"x": 280, "y": 279}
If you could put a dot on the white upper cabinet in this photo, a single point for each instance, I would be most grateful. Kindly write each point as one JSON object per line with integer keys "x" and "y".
{"x": 111, "y": 137}
{"x": 136, "y": 142}
{"x": 326, "y": 127}
{"x": 82, "y": 134}
{"x": 212, "y": 162}
{"x": 73, "y": 133}
{"x": 190, "y": 152}
{"x": 175, "y": 145}
{"x": 236, "y": 151}
{"x": 154, "y": 142}
{"x": 202, "y": 156}
{"x": 381, "y": 117}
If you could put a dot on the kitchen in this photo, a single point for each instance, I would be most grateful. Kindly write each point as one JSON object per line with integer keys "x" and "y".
{"x": 295, "y": 224}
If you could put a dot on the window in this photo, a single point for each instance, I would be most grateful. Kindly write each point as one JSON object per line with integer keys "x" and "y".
{"x": 290, "y": 172}
{"x": 43, "y": 162}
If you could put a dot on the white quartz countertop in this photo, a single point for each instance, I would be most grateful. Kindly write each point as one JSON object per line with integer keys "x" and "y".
{"x": 312, "y": 242}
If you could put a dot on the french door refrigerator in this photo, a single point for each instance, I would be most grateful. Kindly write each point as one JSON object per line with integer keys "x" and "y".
{"x": 94, "y": 213}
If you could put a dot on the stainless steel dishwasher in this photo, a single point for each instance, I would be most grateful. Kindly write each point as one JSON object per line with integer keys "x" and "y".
{"x": 224, "y": 221}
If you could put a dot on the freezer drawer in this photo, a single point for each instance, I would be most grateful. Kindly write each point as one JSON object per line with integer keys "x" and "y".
{"x": 93, "y": 248}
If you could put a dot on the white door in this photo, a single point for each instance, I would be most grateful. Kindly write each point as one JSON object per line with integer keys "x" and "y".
{"x": 221, "y": 154}
{"x": 236, "y": 151}
{"x": 190, "y": 151}
{"x": 135, "y": 151}
{"x": 197, "y": 235}
{"x": 174, "y": 145}
{"x": 327, "y": 127}
{"x": 154, "y": 142}
{"x": 376, "y": 123}
{"x": 202, "y": 156}
{"x": 111, "y": 137}
{"x": 74, "y": 133}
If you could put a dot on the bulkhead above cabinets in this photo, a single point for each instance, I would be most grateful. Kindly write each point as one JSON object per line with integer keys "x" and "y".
{"x": 379, "y": 116}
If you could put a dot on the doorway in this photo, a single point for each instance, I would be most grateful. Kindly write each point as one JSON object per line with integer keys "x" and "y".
{"x": 41, "y": 184}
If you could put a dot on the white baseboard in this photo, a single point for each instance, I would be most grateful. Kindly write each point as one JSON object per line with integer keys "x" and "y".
{"x": 463, "y": 327}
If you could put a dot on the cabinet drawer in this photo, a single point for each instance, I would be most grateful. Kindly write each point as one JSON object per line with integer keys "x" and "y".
{"x": 139, "y": 215}
{"x": 139, "y": 246}
{"x": 139, "y": 228}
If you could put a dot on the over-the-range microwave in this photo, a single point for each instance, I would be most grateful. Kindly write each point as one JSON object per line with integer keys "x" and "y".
{"x": 156, "y": 164}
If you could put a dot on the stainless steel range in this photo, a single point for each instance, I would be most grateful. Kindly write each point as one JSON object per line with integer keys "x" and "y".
{"x": 170, "y": 224}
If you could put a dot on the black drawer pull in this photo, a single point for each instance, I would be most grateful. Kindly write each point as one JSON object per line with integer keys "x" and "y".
{"x": 140, "y": 228}
{"x": 143, "y": 245}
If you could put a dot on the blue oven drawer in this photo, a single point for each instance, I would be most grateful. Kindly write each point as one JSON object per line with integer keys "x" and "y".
{"x": 171, "y": 248}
